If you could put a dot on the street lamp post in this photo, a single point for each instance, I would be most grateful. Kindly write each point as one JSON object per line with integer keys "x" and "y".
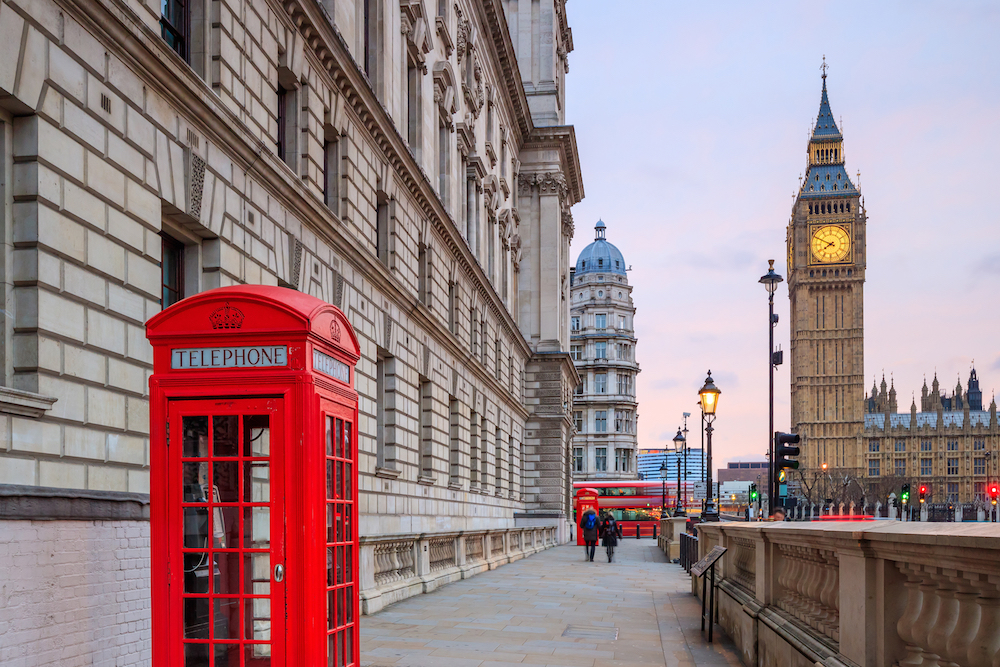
{"x": 679, "y": 445}
{"x": 685, "y": 432}
{"x": 702, "y": 452}
{"x": 709, "y": 400}
{"x": 770, "y": 282}
{"x": 663, "y": 479}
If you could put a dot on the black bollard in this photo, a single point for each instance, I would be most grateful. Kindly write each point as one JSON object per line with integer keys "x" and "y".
{"x": 654, "y": 531}
{"x": 636, "y": 531}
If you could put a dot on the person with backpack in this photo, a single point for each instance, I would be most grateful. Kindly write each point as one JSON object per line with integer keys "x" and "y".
{"x": 609, "y": 534}
{"x": 591, "y": 530}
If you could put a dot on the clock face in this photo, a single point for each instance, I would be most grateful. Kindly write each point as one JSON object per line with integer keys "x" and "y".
{"x": 830, "y": 244}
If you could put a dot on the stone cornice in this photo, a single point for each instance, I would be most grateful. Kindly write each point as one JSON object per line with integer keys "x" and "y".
{"x": 161, "y": 70}
{"x": 563, "y": 138}
{"x": 503, "y": 49}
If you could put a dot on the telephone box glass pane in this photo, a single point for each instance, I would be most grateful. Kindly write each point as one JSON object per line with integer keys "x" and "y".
{"x": 225, "y": 435}
{"x": 257, "y": 569}
{"x": 257, "y": 484}
{"x": 257, "y": 527}
{"x": 227, "y": 655}
{"x": 227, "y": 618}
{"x": 196, "y": 618}
{"x": 195, "y": 437}
{"x": 226, "y": 475}
{"x": 227, "y": 572}
{"x": 256, "y": 435}
{"x": 196, "y": 655}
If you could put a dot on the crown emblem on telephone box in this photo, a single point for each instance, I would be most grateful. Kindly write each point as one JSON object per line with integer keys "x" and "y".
{"x": 227, "y": 317}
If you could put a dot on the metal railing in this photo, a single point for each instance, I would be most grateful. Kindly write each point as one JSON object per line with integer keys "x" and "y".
{"x": 689, "y": 551}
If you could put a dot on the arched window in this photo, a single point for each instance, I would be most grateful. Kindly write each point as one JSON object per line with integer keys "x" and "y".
{"x": 822, "y": 187}
{"x": 848, "y": 207}
{"x": 810, "y": 209}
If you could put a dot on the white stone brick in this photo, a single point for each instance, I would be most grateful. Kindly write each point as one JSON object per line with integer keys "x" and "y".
{"x": 105, "y": 255}
{"x": 35, "y": 179}
{"x": 140, "y": 131}
{"x": 84, "y": 364}
{"x": 126, "y": 230}
{"x": 43, "y": 225}
{"x": 160, "y": 112}
{"x": 84, "y": 443}
{"x": 49, "y": 312}
{"x": 144, "y": 274}
{"x": 62, "y": 475}
{"x": 126, "y": 449}
{"x": 36, "y": 137}
{"x": 104, "y": 179}
{"x": 127, "y": 158}
{"x": 83, "y": 126}
{"x": 29, "y": 87}
{"x": 71, "y": 402}
{"x": 138, "y": 415}
{"x": 143, "y": 204}
{"x": 84, "y": 205}
{"x": 67, "y": 74}
{"x": 11, "y": 30}
{"x": 138, "y": 481}
{"x": 31, "y": 435}
{"x": 126, "y": 302}
{"x": 17, "y": 471}
{"x": 107, "y": 478}
{"x": 126, "y": 376}
{"x": 96, "y": 88}
{"x": 84, "y": 284}
{"x": 105, "y": 332}
{"x": 138, "y": 347}
{"x": 105, "y": 408}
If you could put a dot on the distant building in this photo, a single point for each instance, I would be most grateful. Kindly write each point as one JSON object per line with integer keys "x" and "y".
{"x": 743, "y": 471}
{"x": 602, "y": 345}
{"x": 650, "y": 461}
{"x": 952, "y": 445}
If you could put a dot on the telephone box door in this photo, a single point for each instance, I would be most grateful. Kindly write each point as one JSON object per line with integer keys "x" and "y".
{"x": 341, "y": 535}
{"x": 225, "y": 493}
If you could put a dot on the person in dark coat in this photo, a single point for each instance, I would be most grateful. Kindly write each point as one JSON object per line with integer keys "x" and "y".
{"x": 590, "y": 527}
{"x": 609, "y": 534}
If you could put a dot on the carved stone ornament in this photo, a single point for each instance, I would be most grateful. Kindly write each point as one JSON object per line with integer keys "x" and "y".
{"x": 227, "y": 317}
{"x": 463, "y": 35}
{"x": 196, "y": 185}
{"x": 335, "y": 330}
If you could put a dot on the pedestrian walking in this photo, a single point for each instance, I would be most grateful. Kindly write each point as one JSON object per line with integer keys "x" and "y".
{"x": 590, "y": 527}
{"x": 609, "y": 534}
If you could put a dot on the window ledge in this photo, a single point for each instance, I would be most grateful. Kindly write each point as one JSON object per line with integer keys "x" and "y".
{"x": 426, "y": 479}
{"x": 387, "y": 473}
{"x": 455, "y": 486}
{"x": 24, "y": 403}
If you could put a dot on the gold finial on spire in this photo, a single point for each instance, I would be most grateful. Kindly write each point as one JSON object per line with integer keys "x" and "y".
{"x": 824, "y": 67}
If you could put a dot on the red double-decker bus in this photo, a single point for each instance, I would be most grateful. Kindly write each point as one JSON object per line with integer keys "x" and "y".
{"x": 637, "y": 503}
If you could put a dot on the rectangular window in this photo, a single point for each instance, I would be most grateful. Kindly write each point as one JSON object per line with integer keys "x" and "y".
{"x": 425, "y": 276}
{"x": 370, "y": 34}
{"x": 474, "y": 449}
{"x": 331, "y": 175}
{"x": 498, "y": 364}
{"x": 900, "y": 468}
{"x": 601, "y": 459}
{"x": 382, "y": 227}
{"x": 953, "y": 466}
{"x": 979, "y": 445}
{"x": 285, "y": 146}
{"x": 576, "y": 352}
{"x": 979, "y": 466}
{"x": 926, "y": 467}
{"x": 175, "y": 25}
{"x": 619, "y": 421}
{"x": 171, "y": 270}
{"x": 873, "y": 467}
{"x": 601, "y": 321}
{"x": 953, "y": 445}
{"x": 580, "y": 388}
{"x": 601, "y": 350}
{"x": 413, "y": 107}
{"x": 980, "y": 491}
{"x": 473, "y": 328}
{"x": 578, "y": 421}
{"x": 925, "y": 445}
{"x": 952, "y": 492}
{"x": 452, "y": 307}
{"x": 511, "y": 468}
{"x": 498, "y": 462}
{"x": 574, "y": 324}
{"x": 385, "y": 382}
{"x": 426, "y": 428}
{"x": 873, "y": 446}
{"x": 484, "y": 459}
{"x": 600, "y": 383}
{"x": 624, "y": 384}
{"x": 601, "y": 421}
{"x": 455, "y": 441}
{"x": 623, "y": 460}
{"x": 621, "y": 321}
{"x": 578, "y": 459}
{"x": 900, "y": 446}
{"x": 444, "y": 163}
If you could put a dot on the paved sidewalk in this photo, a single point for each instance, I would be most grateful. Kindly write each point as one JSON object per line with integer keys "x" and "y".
{"x": 552, "y": 608}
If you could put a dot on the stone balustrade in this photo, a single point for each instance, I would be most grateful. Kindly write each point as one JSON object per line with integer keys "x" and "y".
{"x": 879, "y": 593}
{"x": 395, "y": 567}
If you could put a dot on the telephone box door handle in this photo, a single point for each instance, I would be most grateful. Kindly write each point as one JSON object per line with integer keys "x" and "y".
{"x": 279, "y": 572}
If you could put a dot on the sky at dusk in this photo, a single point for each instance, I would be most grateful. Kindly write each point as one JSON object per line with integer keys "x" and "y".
{"x": 692, "y": 121}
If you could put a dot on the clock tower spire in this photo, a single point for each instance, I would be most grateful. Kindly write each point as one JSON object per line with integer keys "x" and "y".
{"x": 826, "y": 276}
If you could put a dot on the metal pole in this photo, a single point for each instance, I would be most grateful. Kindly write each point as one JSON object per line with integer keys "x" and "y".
{"x": 703, "y": 455}
{"x": 711, "y": 514}
{"x": 771, "y": 486}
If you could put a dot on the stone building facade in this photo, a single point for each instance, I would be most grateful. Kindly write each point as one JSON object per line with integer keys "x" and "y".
{"x": 404, "y": 160}
{"x": 826, "y": 276}
{"x": 951, "y": 445}
{"x": 603, "y": 345}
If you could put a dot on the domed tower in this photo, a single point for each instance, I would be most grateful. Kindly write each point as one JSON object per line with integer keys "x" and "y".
{"x": 602, "y": 344}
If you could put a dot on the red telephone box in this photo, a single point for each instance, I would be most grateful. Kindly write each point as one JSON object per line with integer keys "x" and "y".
{"x": 586, "y": 499}
{"x": 253, "y": 488}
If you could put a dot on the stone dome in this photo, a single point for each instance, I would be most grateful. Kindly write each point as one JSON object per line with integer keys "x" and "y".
{"x": 600, "y": 256}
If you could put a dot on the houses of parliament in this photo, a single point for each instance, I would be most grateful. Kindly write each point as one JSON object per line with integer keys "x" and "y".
{"x": 952, "y": 444}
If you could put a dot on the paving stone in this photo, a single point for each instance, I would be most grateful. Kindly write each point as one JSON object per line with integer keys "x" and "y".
{"x": 531, "y": 613}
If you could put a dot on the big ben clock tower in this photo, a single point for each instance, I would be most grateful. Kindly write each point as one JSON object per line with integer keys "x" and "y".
{"x": 826, "y": 277}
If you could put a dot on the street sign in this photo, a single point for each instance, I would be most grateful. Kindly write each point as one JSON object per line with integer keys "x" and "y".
{"x": 708, "y": 561}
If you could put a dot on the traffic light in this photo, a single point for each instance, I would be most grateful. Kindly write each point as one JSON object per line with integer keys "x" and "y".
{"x": 783, "y": 448}
{"x": 905, "y": 494}
{"x": 753, "y": 493}
{"x": 994, "y": 493}
{"x": 923, "y": 493}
